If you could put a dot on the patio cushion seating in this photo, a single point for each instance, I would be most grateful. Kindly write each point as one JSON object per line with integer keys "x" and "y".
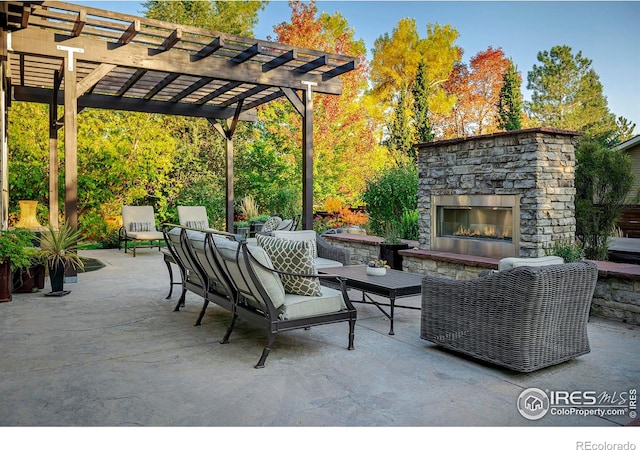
{"x": 193, "y": 217}
{"x": 254, "y": 291}
{"x": 294, "y": 257}
{"x": 510, "y": 263}
{"x": 525, "y": 318}
{"x": 138, "y": 224}
{"x": 272, "y": 223}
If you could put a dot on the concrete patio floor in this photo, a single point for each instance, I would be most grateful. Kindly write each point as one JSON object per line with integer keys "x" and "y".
{"x": 113, "y": 353}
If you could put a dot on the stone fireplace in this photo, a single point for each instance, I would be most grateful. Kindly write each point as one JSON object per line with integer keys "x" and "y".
{"x": 498, "y": 195}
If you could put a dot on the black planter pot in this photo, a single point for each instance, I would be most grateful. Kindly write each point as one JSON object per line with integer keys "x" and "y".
{"x": 389, "y": 252}
{"x": 56, "y": 276}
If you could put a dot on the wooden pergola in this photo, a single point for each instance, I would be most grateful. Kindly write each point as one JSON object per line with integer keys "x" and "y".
{"x": 78, "y": 57}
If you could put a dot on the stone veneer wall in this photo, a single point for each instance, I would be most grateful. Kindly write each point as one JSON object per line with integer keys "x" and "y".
{"x": 617, "y": 294}
{"x": 538, "y": 164}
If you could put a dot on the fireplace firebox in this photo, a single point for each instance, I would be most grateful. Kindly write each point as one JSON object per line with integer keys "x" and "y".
{"x": 483, "y": 225}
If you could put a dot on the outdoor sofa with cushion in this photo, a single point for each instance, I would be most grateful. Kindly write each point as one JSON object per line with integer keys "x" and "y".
{"x": 243, "y": 279}
{"x": 524, "y": 318}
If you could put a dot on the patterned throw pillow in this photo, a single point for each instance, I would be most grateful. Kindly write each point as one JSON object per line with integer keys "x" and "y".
{"x": 196, "y": 224}
{"x": 294, "y": 257}
{"x": 302, "y": 235}
{"x": 141, "y": 226}
{"x": 271, "y": 223}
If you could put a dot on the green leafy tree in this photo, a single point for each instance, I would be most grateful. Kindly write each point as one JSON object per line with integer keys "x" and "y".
{"x": 567, "y": 94}
{"x": 423, "y": 127}
{"x": 231, "y": 17}
{"x": 603, "y": 178}
{"x": 510, "y": 101}
{"x": 29, "y": 156}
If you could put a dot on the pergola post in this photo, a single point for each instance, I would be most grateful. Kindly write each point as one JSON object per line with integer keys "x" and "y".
{"x": 307, "y": 161}
{"x": 227, "y": 133}
{"x": 53, "y": 154}
{"x": 4, "y": 164}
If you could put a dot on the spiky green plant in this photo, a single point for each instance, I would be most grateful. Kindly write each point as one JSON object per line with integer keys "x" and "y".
{"x": 61, "y": 245}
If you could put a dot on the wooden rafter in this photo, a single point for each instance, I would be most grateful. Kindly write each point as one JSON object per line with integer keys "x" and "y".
{"x": 209, "y": 49}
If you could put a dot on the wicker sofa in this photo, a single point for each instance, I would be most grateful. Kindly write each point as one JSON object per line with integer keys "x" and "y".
{"x": 525, "y": 318}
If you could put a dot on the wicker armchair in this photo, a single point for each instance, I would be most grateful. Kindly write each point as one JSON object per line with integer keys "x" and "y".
{"x": 524, "y": 319}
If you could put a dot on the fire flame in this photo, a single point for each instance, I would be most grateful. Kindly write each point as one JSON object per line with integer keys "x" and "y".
{"x": 489, "y": 231}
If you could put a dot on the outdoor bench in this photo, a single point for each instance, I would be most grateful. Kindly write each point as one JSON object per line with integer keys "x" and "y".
{"x": 224, "y": 269}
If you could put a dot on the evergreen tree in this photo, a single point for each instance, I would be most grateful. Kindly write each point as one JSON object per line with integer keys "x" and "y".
{"x": 510, "y": 100}
{"x": 424, "y": 130}
{"x": 400, "y": 131}
{"x": 567, "y": 94}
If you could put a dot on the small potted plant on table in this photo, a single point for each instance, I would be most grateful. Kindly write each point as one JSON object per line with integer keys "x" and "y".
{"x": 377, "y": 267}
{"x": 60, "y": 248}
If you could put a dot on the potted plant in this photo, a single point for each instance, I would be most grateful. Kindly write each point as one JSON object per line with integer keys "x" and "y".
{"x": 377, "y": 267}
{"x": 13, "y": 256}
{"x": 242, "y": 228}
{"x": 60, "y": 248}
{"x": 391, "y": 245}
{"x": 256, "y": 223}
{"x": 31, "y": 278}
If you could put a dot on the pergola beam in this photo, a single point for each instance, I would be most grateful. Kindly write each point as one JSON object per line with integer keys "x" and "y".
{"x": 40, "y": 95}
{"x": 33, "y": 41}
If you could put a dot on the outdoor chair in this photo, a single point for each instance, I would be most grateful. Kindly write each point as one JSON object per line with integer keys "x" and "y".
{"x": 138, "y": 224}
{"x": 193, "y": 217}
{"x": 525, "y": 318}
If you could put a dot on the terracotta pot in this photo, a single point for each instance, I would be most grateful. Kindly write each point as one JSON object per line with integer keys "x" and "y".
{"x": 30, "y": 280}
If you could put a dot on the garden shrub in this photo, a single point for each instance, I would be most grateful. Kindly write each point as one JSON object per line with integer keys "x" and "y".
{"x": 603, "y": 178}
{"x": 388, "y": 195}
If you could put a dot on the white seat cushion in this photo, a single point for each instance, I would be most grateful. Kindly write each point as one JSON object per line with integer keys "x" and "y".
{"x": 296, "y": 306}
{"x": 510, "y": 263}
{"x": 145, "y": 235}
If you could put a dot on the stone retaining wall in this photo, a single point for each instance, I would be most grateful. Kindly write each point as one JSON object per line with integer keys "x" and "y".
{"x": 617, "y": 294}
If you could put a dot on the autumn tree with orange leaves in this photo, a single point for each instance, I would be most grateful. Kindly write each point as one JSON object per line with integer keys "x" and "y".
{"x": 345, "y": 150}
{"x": 477, "y": 90}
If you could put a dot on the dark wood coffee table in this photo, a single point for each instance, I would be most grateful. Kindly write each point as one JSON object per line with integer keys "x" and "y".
{"x": 395, "y": 284}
